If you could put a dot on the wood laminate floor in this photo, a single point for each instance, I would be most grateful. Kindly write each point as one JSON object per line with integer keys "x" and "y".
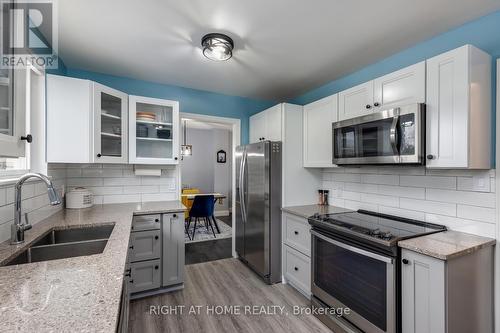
{"x": 222, "y": 283}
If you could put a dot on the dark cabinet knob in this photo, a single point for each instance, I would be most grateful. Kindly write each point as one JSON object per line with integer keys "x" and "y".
{"x": 127, "y": 272}
{"x": 156, "y": 267}
{"x": 156, "y": 237}
{"x": 296, "y": 232}
{"x": 131, "y": 247}
{"x": 430, "y": 157}
{"x": 176, "y": 158}
{"x": 368, "y": 106}
{"x": 175, "y": 215}
{"x": 28, "y": 138}
{"x": 296, "y": 268}
{"x": 131, "y": 281}
{"x": 406, "y": 261}
{"x": 376, "y": 104}
{"x": 99, "y": 155}
{"x": 157, "y": 220}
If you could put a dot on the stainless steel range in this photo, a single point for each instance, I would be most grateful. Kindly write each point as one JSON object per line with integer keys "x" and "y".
{"x": 356, "y": 265}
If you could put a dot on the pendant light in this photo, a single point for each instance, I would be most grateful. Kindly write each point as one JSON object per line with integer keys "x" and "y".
{"x": 217, "y": 47}
{"x": 186, "y": 150}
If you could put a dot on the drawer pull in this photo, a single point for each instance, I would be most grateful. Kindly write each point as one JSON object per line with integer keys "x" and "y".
{"x": 296, "y": 232}
{"x": 128, "y": 272}
{"x": 296, "y": 268}
{"x": 131, "y": 281}
{"x": 175, "y": 216}
{"x": 156, "y": 266}
{"x": 131, "y": 247}
{"x": 157, "y": 220}
{"x": 156, "y": 237}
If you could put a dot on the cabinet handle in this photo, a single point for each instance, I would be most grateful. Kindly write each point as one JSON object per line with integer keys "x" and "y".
{"x": 131, "y": 281}
{"x": 296, "y": 232}
{"x": 156, "y": 237}
{"x": 430, "y": 157}
{"x": 157, "y": 220}
{"x": 156, "y": 267}
{"x": 175, "y": 215}
{"x": 406, "y": 261}
{"x": 131, "y": 247}
{"x": 376, "y": 104}
{"x": 28, "y": 138}
{"x": 176, "y": 158}
{"x": 99, "y": 155}
{"x": 128, "y": 272}
{"x": 368, "y": 106}
{"x": 295, "y": 268}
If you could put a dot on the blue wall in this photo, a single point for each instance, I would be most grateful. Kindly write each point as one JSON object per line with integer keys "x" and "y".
{"x": 483, "y": 33}
{"x": 190, "y": 100}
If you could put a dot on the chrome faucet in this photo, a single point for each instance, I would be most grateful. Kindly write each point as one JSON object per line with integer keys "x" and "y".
{"x": 18, "y": 228}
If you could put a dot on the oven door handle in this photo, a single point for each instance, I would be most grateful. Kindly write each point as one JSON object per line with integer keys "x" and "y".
{"x": 393, "y": 135}
{"x": 353, "y": 249}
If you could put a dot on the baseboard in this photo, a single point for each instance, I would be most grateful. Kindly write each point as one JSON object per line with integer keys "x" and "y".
{"x": 221, "y": 213}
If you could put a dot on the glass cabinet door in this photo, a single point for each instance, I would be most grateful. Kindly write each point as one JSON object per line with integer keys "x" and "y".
{"x": 110, "y": 124}
{"x": 154, "y": 130}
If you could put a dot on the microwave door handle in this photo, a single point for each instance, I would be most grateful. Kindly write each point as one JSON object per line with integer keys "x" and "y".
{"x": 393, "y": 135}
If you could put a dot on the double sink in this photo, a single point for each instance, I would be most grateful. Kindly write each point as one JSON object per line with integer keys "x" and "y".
{"x": 65, "y": 243}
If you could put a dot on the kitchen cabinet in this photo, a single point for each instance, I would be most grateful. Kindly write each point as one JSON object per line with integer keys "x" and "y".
{"x": 441, "y": 296}
{"x": 173, "y": 249}
{"x": 69, "y": 128}
{"x": 401, "y": 87}
{"x": 296, "y": 254}
{"x": 266, "y": 125}
{"x": 458, "y": 109}
{"x": 356, "y": 101}
{"x": 110, "y": 128}
{"x": 405, "y": 86}
{"x": 318, "y": 119}
{"x": 154, "y": 131}
{"x": 156, "y": 253}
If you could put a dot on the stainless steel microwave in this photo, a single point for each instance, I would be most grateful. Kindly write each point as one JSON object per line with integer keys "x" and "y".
{"x": 392, "y": 136}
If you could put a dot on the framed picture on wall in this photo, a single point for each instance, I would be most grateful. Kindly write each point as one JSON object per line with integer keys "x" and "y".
{"x": 221, "y": 156}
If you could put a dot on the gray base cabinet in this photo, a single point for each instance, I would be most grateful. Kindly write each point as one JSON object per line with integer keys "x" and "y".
{"x": 156, "y": 254}
{"x": 453, "y": 296}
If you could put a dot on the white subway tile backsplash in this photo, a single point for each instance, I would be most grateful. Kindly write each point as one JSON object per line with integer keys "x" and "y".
{"x": 102, "y": 172}
{"x": 463, "y": 225}
{"x": 158, "y": 197}
{"x": 463, "y": 200}
{"x": 380, "y": 179}
{"x": 121, "y": 198}
{"x": 121, "y": 181}
{"x": 429, "y": 181}
{"x": 476, "y": 213}
{"x": 429, "y": 206}
{"x": 141, "y": 189}
{"x": 462, "y": 197}
{"x": 84, "y": 181}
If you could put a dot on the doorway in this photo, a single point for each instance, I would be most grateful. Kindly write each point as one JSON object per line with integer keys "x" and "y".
{"x": 207, "y": 168}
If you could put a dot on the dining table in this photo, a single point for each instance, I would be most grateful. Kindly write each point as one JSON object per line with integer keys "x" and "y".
{"x": 219, "y": 197}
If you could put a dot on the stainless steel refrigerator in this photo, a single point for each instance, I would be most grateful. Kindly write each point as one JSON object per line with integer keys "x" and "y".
{"x": 258, "y": 208}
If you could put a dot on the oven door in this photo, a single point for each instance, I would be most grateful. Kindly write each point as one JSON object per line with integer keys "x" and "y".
{"x": 345, "y": 276}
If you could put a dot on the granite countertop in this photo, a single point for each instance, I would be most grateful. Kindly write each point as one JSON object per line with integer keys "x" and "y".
{"x": 309, "y": 210}
{"x": 446, "y": 245}
{"x": 74, "y": 294}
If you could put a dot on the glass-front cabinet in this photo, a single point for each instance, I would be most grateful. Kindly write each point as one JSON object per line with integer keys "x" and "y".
{"x": 154, "y": 131}
{"x": 110, "y": 125}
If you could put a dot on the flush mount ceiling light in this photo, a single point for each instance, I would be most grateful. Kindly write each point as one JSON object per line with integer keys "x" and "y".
{"x": 217, "y": 47}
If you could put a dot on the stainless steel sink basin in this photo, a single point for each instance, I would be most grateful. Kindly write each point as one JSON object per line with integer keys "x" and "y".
{"x": 66, "y": 243}
{"x": 75, "y": 235}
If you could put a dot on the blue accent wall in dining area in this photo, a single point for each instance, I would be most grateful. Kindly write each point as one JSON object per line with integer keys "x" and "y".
{"x": 190, "y": 100}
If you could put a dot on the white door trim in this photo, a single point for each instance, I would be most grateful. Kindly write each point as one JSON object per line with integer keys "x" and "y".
{"x": 236, "y": 130}
{"x": 497, "y": 184}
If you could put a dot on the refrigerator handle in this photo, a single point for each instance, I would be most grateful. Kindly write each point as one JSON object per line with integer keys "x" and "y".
{"x": 242, "y": 184}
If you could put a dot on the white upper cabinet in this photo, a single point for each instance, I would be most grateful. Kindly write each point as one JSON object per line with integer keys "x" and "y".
{"x": 13, "y": 98}
{"x": 110, "y": 125}
{"x": 458, "y": 110}
{"x": 402, "y": 87}
{"x": 154, "y": 131}
{"x": 318, "y": 119}
{"x": 356, "y": 101}
{"x": 69, "y": 118}
{"x": 266, "y": 125}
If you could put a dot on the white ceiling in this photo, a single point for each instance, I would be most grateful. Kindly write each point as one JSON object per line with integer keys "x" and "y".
{"x": 282, "y": 47}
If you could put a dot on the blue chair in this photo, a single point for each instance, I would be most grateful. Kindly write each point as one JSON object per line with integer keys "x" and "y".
{"x": 203, "y": 208}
